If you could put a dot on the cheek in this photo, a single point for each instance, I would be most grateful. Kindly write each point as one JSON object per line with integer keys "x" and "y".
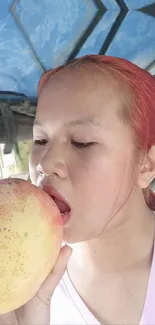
{"x": 34, "y": 158}
{"x": 114, "y": 184}
{"x": 102, "y": 180}
{"x": 96, "y": 171}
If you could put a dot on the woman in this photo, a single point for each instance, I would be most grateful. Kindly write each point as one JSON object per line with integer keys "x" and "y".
{"x": 94, "y": 149}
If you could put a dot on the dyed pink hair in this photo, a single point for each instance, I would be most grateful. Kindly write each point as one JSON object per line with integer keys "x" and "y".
{"x": 141, "y": 110}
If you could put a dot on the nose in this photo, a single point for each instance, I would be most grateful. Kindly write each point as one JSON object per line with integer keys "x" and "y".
{"x": 52, "y": 163}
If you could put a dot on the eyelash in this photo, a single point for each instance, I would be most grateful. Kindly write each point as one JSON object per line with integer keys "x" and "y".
{"x": 82, "y": 145}
{"x": 41, "y": 142}
{"x": 79, "y": 145}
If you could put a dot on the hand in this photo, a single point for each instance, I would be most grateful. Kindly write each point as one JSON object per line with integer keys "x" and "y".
{"x": 37, "y": 310}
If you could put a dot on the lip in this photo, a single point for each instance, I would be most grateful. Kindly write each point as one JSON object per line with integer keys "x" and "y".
{"x": 51, "y": 191}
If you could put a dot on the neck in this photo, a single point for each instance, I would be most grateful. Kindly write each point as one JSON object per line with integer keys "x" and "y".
{"x": 121, "y": 247}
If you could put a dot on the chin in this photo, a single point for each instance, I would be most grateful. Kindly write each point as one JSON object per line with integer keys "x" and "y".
{"x": 71, "y": 236}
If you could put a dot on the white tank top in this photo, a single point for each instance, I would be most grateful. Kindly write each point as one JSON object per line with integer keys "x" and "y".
{"x": 67, "y": 307}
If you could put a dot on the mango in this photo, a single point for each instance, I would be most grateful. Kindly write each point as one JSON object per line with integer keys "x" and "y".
{"x": 30, "y": 241}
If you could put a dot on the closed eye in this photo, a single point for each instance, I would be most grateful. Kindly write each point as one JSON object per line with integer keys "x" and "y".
{"x": 82, "y": 145}
{"x": 41, "y": 142}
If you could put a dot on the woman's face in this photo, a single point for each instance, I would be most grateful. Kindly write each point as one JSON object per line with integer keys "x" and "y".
{"x": 81, "y": 107}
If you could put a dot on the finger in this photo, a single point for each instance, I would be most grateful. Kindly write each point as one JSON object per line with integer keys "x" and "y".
{"x": 49, "y": 285}
{"x": 8, "y": 319}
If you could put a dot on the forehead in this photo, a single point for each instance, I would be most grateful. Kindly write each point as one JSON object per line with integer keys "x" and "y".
{"x": 79, "y": 92}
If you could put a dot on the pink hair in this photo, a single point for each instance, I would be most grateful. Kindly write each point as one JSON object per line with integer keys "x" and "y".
{"x": 142, "y": 110}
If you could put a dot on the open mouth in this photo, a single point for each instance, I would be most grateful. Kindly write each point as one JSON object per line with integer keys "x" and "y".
{"x": 62, "y": 205}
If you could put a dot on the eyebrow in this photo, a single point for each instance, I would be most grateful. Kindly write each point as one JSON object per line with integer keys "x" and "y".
{"x": 85, "y": 121}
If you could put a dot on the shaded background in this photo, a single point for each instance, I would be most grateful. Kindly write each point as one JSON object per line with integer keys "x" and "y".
{"x": 36, "y": 35}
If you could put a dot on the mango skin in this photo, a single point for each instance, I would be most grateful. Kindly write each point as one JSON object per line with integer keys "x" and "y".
{"x": 30, "y": 241}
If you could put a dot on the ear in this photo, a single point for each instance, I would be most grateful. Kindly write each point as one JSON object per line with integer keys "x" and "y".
{"x": 147, "y": 169}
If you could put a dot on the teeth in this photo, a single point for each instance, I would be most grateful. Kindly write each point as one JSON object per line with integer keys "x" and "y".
{"x": 64, "y": 213}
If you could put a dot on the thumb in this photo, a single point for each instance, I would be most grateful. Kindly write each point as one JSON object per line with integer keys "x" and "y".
{"x": 47, "y": 289}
